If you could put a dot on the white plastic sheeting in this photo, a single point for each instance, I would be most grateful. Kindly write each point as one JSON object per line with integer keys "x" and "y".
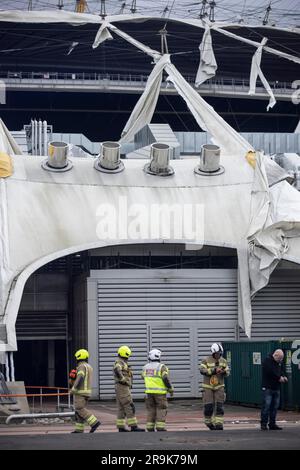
{"x": 256, "y": 71}
{"x": 145, "y": 107}
{"x": 274, "y": 219}
{"x": 209, "y": 120}
{"x": 222, "y": 133}
{"x": 102, "y": 35}
{"x": 208, "y": 65}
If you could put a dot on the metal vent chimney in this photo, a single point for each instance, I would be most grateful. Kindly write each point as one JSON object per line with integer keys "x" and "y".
{"x": 209, "y": 161}
{"x": 57, "y": 157}
{"x": 109, "y": 158}
{"x": 160, "y": 159}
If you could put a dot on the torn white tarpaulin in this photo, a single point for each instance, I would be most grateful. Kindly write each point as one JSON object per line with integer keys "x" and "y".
{"x": 72, "y": 47}
{"x": 284, "y": 55}
{"x": 7, "y": 142}
{"x": 152, "y": 52}
{"x": 5, "y": 271}
{"x": 102, "y": 35}
{"x": 256, "y": 71}
{"x": 222, "y": 134}
{"x": 208, "y": 65}
{"x": 145, "y": 107}
{"x": 258, "y": 218}
{"x": 274, "y": 219}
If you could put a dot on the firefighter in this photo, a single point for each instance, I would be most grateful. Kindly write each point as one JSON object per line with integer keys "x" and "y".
{"x": 214, "y": 368}
{"x": 157, "y": 385}
{"x": 123, "y": 384}
{"x": 81, "y": 389}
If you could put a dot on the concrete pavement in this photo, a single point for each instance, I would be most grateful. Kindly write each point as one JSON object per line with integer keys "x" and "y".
{"x": 186, "y": 430}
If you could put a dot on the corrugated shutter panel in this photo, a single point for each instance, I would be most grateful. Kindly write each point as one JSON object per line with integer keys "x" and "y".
{"x": 177, "y": 354}
{"x": 276, "y": 308}
{"x": 36, "y": 325}
{"x": 132, "y": 305}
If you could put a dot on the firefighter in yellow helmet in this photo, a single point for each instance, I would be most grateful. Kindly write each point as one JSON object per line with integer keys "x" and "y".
{"x": 81, "y": 390}
{"x": 214, "y": 368}
{"x": 123, "y": 384}
{"x": 157, "y": 385}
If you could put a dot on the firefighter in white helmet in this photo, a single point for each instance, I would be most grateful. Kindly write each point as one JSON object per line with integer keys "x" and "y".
{"x": 157, "y": 385}
{"x": 214, "y": 369}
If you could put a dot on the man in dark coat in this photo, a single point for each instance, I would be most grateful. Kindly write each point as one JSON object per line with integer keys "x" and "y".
{"x": 272, "y": 377}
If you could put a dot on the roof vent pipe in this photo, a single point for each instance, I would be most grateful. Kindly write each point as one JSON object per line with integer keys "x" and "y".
{"x": 160, "y": 159}
{"x": 57, "y": 157}
{"x": 209, "y": 161}
{"x": 109, "y": 158}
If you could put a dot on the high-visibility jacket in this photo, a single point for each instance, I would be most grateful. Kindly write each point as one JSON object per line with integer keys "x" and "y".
{"x": 211, "y": 379}
{"x": 83, "y": 383}
{"x": 154, "y": 374}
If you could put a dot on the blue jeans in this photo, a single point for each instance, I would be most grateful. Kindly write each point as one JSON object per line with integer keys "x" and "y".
{"x": 270, "y": 405}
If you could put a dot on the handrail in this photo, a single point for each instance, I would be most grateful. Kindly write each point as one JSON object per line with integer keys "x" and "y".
{"x": 41, "y": 395}
{"x": 129, "y": 78}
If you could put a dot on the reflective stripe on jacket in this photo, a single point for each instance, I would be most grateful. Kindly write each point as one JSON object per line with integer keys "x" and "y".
{"x": 208, "y": 367}
{"x": 152, "y": 374}
{"x": 83, "y": 382}
{"x": 122, "y": 372}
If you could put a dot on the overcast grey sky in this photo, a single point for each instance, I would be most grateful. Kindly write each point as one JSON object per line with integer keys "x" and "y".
{"x": 283, "y": 13}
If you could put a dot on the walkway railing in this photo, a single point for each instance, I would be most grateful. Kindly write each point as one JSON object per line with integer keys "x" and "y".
{"x": 132, "y": 80}
{"x": 40, "y": 403}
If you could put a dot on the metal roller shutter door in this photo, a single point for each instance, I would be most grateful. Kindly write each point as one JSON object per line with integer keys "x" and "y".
{"x": 276, "y": 308}
{"x": 180, "y": 311}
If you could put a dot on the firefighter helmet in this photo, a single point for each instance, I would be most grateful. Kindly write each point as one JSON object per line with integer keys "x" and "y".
{"x": 81, "y": 354}
{"x": 154, "y": 355}
{"x": 124, "y": 351}
{"x": 217, "y": 348}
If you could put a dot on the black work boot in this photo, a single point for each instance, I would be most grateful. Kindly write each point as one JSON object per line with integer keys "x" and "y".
{"x": 274, "y": 427}
{"x": 210, "y": 426}
{"x": 264, "y": 427}
{"x": 137, "y": 429}
{"x": 123, "y": 430}
{"x": 95, "y": 426}
{"x": 219, "y": 427}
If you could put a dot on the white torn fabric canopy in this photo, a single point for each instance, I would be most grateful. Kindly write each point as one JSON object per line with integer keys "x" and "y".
{"x": 102, "y": 35}
{"x": 208, "y": 65}
{"x": 256, "y": 71}
{"x": 72, "y": 47}
{"x": 275, "y": 218}
{"x": 259, "y": 217}
{"x": 208, "y": 119}
{"x": 145, "y": 107}
{"x": 152, "y": 52}
{"x": 7, "y": 142}
{"x": 281, "y": 54}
